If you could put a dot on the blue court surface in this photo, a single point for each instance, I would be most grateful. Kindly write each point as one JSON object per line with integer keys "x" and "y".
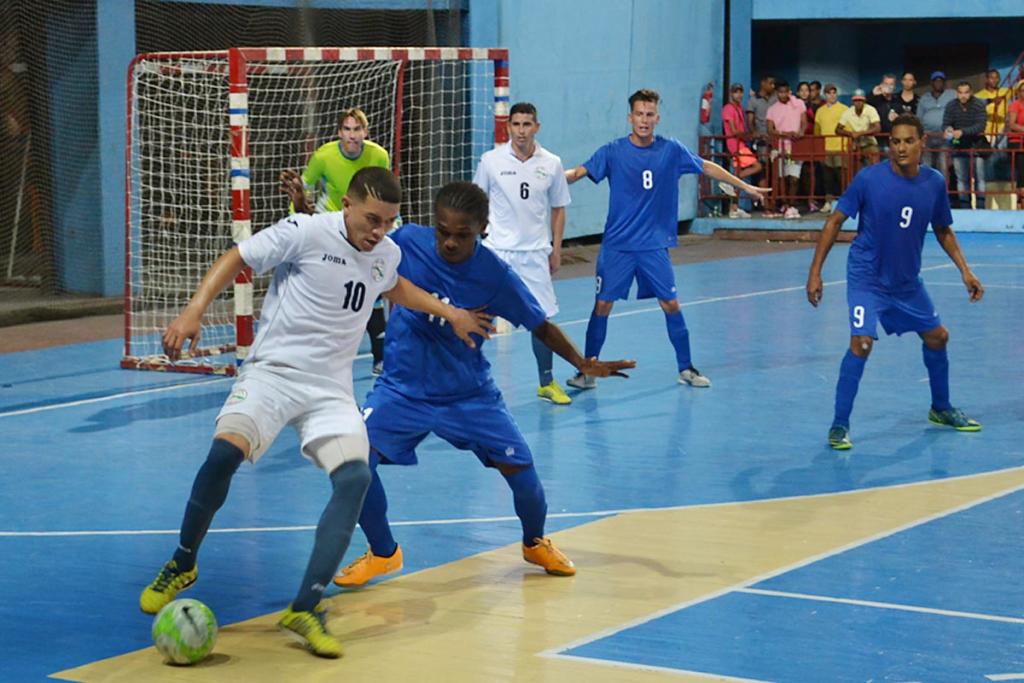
{"x": 97, "y": 463}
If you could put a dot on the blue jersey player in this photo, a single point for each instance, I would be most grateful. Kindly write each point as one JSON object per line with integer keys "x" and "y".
{"x": 643, "y": 170}
{"x": 896, "y": 202}
{"x": 429, "y": 384}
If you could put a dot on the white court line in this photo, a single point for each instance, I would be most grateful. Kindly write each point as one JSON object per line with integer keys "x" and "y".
{"x": 125, "y": 394}
{"x": 1005, "y": 677}
{"x": 111, "y": 397}
{"x": 604, "y": 633}
{"x": 660, "y": 669}
{"x": 882, "y": 605}
{"x": 510, "y": 518}
{"x": 960, "y": 284}
{"x": 730, "y": 297}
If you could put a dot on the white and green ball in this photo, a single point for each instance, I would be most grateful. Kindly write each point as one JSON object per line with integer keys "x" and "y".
{"x": 184, "y": 631}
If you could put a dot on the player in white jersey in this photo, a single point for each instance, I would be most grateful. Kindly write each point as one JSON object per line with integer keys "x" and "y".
{"x": 525, "y": 183}
{"x": 329, "y": 270}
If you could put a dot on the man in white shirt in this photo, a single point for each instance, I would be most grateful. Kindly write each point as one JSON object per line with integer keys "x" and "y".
{"x": 524, "y": 184}
{"x": 329, "y": 269}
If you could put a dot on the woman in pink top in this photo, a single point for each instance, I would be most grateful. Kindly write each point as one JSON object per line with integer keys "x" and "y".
{"x": 744, "y": 161}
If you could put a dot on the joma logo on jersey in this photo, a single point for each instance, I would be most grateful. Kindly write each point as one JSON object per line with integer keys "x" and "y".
{"x": 334, "y": 259}
{"x": 507, "y": 173}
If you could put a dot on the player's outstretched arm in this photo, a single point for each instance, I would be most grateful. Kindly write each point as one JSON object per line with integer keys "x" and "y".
{"x": 947, "y": 239}
{"x": 293, "y": 186}
{"x": 552, "y": 336}
{"x": 829, "y": 232}
{"x": 463, "y": 322}
{"x": 189, "y": 322}
{"x": 574, "y": 174}
{"x": 713, "y": 170}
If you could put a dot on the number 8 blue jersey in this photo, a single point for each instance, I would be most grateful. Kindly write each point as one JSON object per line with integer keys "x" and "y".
{"x": 894, "y": 216}
{"x": 643, "y": 210}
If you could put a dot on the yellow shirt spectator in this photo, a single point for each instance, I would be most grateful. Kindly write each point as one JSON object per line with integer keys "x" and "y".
{"x": 825, "y": 121}
{"x": 995, "y": 115}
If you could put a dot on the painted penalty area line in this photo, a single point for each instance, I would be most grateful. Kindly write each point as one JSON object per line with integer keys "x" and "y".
{"x": 685, "y": 304}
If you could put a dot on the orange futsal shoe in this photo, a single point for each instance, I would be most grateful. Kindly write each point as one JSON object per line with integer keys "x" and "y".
{"x": 368, "y": 566}
{"x": 546, "y": 555}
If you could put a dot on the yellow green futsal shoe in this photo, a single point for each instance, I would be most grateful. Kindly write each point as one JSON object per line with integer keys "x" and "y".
{"x": 309, "y": 628}
{"x": 554, "y": 393}
{"x": 955, "y": 418}
{"x": 839, "y": 438}
{"x": 166, "y": 586}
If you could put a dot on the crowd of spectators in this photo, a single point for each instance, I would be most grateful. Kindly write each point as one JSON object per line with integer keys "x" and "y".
{"x": 961, "y": 126}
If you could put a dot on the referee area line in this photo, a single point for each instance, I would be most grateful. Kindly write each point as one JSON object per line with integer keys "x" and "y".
{"x": 579, "y": 321}
{"x": 514, "y": 518}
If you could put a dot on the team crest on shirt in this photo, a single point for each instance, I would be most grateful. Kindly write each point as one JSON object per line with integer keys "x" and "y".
{"x": 541, "y": 173}
{"x": 377, "y": 270}
{"x": 237, "y": 396}
{"x": 510, "y": 451}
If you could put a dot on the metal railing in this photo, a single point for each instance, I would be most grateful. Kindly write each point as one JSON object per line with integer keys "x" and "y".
{"x": 982, "y": 167}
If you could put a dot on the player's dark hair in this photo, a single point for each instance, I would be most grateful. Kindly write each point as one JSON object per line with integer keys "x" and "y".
{"x": 802, "y": 83}
{"x": 992, "y": 71}
{"x": 523, "y": 108}
{"x": 816, "y": 83}
{"x": 376, "y": 182}
{"x": 644, "y": 95}
{"x": 967, "y": 83}
{"x": 465, "y": 197}
{"x": 909, "y": 120}
{"x": 781, "y": 84}
{"x": 909, "y": 73}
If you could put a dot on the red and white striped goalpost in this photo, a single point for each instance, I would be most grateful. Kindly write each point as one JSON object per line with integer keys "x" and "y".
{"x": 201, "y": 122}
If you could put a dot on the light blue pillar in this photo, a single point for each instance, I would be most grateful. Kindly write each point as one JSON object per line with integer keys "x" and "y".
{"x": 741, "y": 16}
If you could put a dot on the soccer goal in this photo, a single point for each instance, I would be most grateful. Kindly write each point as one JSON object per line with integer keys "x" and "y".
{"x": 210, "y": 132}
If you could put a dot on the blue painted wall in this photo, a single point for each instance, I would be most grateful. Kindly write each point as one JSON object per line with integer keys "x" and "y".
{"x": 579, "y": 60}
{"x": 885, "y": 9}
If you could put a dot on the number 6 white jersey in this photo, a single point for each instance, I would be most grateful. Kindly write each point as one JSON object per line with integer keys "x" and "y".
{"x": 521, "y": 194}
{"x": 322, "y": 294}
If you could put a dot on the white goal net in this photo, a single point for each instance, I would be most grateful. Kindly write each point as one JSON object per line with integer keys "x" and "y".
{"x": 209, "y": 134}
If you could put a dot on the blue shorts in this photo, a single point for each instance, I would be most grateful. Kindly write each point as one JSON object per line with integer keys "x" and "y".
{"x": 652, "y": 270}
{"x": 397, "y": 424}
{"x": 911, "y": 311}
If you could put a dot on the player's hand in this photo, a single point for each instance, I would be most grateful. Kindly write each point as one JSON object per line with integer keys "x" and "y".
{"x": 465, "y": 323}
{"x": 756, "y": 192}
{"x": 554, "y": 261}
{"x": 292, "y": 185}
{"x": 815, "y": 289}
{"x": 187, "y": 326}
{"x": 974, "y": 287}
{"x": 592, "y": 367}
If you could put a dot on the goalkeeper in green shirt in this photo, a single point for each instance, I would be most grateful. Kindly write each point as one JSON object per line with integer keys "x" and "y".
{"x": 327, "y": 176}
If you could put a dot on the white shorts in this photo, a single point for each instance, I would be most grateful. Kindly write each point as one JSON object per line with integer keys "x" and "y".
{"x": 790, "y": 168}
{"x": 534, "y": 269}
{"x": 315, "y": 407}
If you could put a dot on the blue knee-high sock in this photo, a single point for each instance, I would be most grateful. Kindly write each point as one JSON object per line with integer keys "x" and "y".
{"x": 680, "y": 338}
{"x": 530, "y": 504}
{"x": 545, "y": 359}
{"x": 937, "y": 363}
{"x": 597, "y": 330}
{"x": 334, "y": 532}
{"x": 209, "y": 490}
{"x": 850, "y": 372}
{"x": 373, "y": 520}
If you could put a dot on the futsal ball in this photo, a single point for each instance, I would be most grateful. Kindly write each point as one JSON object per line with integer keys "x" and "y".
{"x": 184, "y": 631}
